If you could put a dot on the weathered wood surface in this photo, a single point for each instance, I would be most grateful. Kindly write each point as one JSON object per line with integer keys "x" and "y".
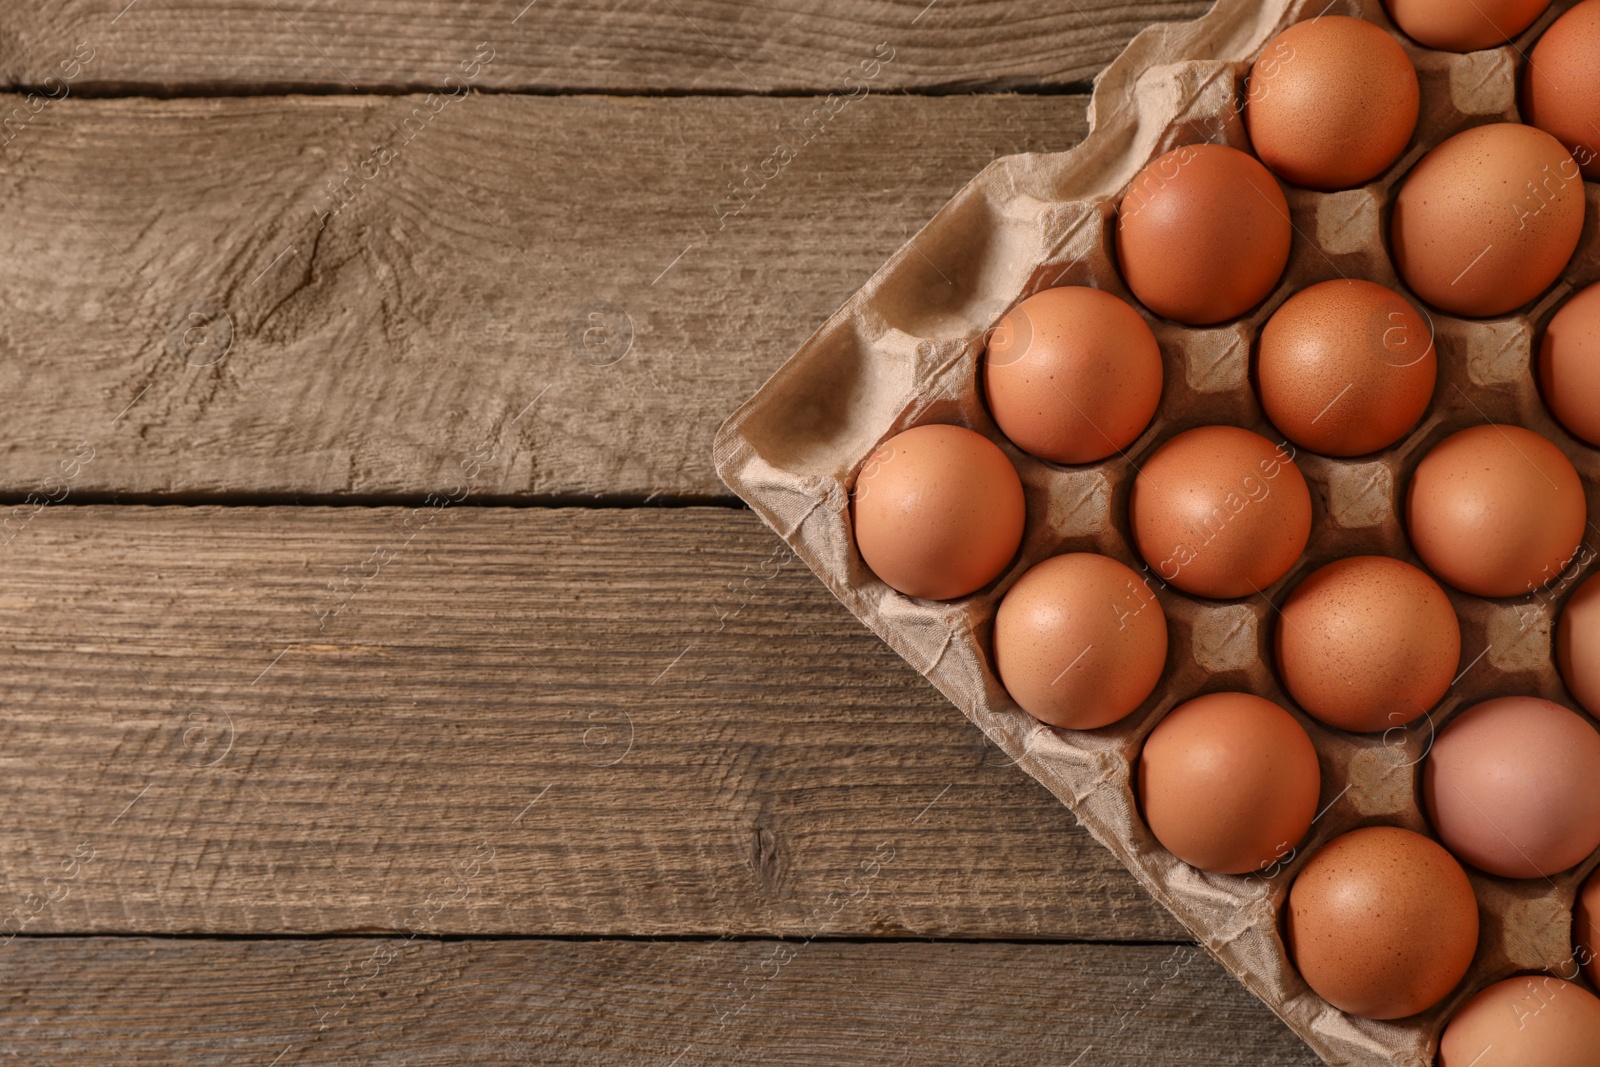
{"x": 300, "y": 720}
{"x": 702, "y": 46}
{"x": 475, "y": 721}
{"x": 545, "y": 276}
{"x": 132, "y": 1002}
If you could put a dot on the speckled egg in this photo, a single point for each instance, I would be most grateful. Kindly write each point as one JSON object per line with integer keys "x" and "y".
{"x": 1367, "y": 643}
{"x": 1228, "y": 782}
{"x": 1220, "y": 511}
{"x": 1346, "y": 367}
{"x": 1526, "y": 1021}
{"x": 1331, "y": 102}
{"x": 1488, "y": 219}
{"x": 1382, "y": 923}
{"x": 1080, "y": 641}
{"x": 1569, "y": 364}
{"x": 1586, "y": 928}
{"x": 939, "y": 512}
{"x": 1578, "y": 644}
{"x": 1496, "y": 511}
{"x": 1203, "y": 234}
{"x": 1072, "y": 375}
{"x": 1560, "y": 92}
{"x": 1464, "y": 25}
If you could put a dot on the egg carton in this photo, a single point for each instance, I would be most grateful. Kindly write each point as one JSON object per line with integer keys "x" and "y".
{"x": 905, "y": 350}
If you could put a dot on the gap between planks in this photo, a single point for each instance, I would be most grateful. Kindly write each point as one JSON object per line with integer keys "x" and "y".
{"x": 578, "y": 939}
{"x": 227, "y": 91}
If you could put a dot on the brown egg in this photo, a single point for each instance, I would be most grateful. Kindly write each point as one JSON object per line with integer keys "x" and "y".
{"x": 1346, "y": 367}
{"x": 1072, "y": 375}
{"x": 1496, "y": 510}
{"x": 1229, "y": 782}
{"x": 1569, "y": 364}
{"x": 1560, "y": 93}
{"x": 1382, "y": 923}
{"x": 1220, "y": 512}
{"x": 1527, "y": 1021}
{"x": 1079, "y": 641}
{"x": 1578, "y": 644}
{"x": 1488, "y": 219}
{"x": 1332, "y": 102}
{"x": 1586, "y": 928}
{"x": 1464, "y": 25}
{"x": 1510, "y": 787}
{"x": 938, "y": 512}
{"x": 1367, "y": 643}
{"x": 1203, "y": 234}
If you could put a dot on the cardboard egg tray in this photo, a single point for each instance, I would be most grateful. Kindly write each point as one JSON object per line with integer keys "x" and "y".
{"x": 905, "y": 350}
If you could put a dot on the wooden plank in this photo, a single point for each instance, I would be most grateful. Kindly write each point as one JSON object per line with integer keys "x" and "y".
{"x": 702, "y": 46}
{"x": 542, "y": 279}
{"x": 635, "y": 722}
{"x": 133, "y": 1001}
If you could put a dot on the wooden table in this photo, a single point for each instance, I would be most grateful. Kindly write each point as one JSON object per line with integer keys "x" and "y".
{"x": 387, "y": 677}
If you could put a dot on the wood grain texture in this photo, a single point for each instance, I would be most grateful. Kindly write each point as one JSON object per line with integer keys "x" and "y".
{"x": 701, "y": 46}
{"x": 635, "y": 722}
{"x": 545, "y": 277}
{"x": 131, "y": 1002}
